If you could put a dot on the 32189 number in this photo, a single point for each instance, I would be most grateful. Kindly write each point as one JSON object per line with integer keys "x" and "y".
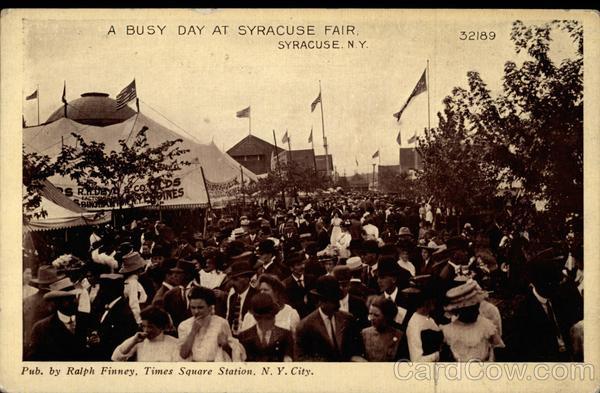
{"x": 477, "y": 35}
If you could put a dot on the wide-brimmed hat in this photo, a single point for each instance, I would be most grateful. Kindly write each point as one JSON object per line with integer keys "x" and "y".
{"x": 465, "y": 295}
{"x": 132, "y": 262}
{"x": 354, "y": 263}
{"x": 431, "y": 246}
{"x": 46, "y": 275}
{"x": 263, "y": 305}
{"x": 328, "y": 288}
{"x": 240, "y": 268}
{"x": 405, "y": 231}
{"x": 183, "y": 266}
{"x": 342, "y": 273}
{"x": 61, "y": 288}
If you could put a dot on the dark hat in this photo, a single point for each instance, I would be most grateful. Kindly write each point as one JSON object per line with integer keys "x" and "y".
{"x": 266, "y": 246}
{"x": 457, "y": 243}
{"x": 210, "y": 252}
{"x": 46, "y": 275}
{"x": 294, "y": 258}
{"x": 342, "y": 273}
{"x": 61, "y": 288}
{"x": 355, "y": 244}
{"x": 183, "y": 266}
{"x": 158, "y": 251}
{"x": 370, "y": 246}
{"x": 328, "y": 288}
{"x": 545, "y": 265}
{"x": 312, "y": 248}
{"x": 404, "y": 244}
{"x": 112, "y": 281}
{"x": 132, "y": 262}
{"x": 240, "y": 268}
{"x": 387, "y": 266}
{"x": 263, "y": 305}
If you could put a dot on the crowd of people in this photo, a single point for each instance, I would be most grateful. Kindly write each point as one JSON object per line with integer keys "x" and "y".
{"x": 345, "y": 278}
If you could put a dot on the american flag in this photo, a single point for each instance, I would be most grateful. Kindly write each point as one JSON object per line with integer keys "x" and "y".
{"x": 376, "y": 154}
{"x": 243, "y": 113}
{"x": 310, "y": 136}
{"x": 126, "y": 95}
{"x": 32, "y": 96}
{"x": 315, "y": 102}
{"x": 419, "y": 88}
{"x": 285, "y": 138}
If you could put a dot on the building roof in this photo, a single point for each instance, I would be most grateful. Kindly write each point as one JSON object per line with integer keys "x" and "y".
{"x": 252, "y": 145}
{"x": 96, "y": 109}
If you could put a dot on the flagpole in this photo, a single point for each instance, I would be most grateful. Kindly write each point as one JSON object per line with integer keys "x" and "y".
{"x": 243, "y": 193}
{"x": 38, "y": 103}
{"x": 323, "y": 129}
{"x": 250, "y": 121}
{"x": 312, "y": 141}
{"x": 278, "y": 167}
{"x": 428, "y": 105}
{"x": 289, "y": 144}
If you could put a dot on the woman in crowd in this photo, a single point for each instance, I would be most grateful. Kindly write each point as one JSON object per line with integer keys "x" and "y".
{"x": 211, "y": 275}
{"x": 151, "y": 344}
{"x": 423, "y": 334}
{"x": 286, "y": 317}
{"x": 206, "y": 337}
{"x": 381, "y": 341}
{"x": 470, "y": 336}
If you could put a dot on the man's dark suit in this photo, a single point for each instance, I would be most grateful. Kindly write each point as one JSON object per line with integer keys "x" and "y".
{"x": 118, "y": 325}
{"x": 296, "y": 294}
{"x": 535, "y": 338}
{"x": 280, "y": 344}
{"x": 313, "y": 342}
{"x": 245, "y": 306}
{"x": 176, "y": 305}
{"x": 275, "y": 269}
{"x": 51, "y": 340}
{"x": 359, "y": 311}
{"x": 35, "y": 308}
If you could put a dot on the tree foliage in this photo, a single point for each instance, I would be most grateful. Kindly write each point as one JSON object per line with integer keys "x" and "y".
{"x": 136, "y": 173}
{"x": 530, "y": 134}
{"x": 36, "y": 169}
{"x": 291, "y": 177}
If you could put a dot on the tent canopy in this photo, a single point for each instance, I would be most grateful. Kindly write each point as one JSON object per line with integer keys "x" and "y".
{"x": 187, "y": 189}
{"x": 61, "y": 212}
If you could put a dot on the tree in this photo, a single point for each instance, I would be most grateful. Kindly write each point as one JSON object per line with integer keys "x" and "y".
{"x": 137, "y": 173}
{"x": 530, "y": 134}
{"x": 36, "y": 169}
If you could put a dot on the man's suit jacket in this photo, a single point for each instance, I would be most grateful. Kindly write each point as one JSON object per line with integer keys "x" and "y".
{"x": 118, "y": 325}
{"x": 280, "y": 344}
{"x": 35, "y": 308}
{"x": 276, "y": 270}
{"x": 296, "y": 294}
{"x": 534, "y": 338}
{"x": 159, "y": 296}
{"x": 359, "y": 310}
{"x": 176, "y": 305}
{"x": 313, "y": 342}
{"x": 245, "y": 306}
{"x": 52, "y": 341}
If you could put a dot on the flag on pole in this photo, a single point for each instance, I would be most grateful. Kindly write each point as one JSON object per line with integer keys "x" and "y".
{"x": 243, "y": 113}
{"x": 32, "y": 96}
{"x": 310, "y": 136}
{"x": 285, "y": 138}
{"x": 412, "y": 139}
{"x": 315, "y": 102}
{"x": 419, "y": 88}
{"x": 356, "y": 160}
{"x": 64, "y": 96}
{"x": 399, "y": 138}
{"x": 376, "y": 154}
{"x": 126, "y": 95}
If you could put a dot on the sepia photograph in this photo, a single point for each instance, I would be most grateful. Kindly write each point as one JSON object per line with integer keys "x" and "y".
{"x": 263, "y": 190}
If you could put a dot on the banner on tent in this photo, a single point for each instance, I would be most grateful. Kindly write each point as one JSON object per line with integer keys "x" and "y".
{"x": 221, "y": 193}
{"x": 173, "y": 189}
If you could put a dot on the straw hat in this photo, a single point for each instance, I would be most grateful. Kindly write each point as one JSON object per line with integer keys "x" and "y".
{"x": 465, "y": 295}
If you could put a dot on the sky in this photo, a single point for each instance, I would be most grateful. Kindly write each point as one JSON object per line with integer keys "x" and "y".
{"x": 195, "y": 83}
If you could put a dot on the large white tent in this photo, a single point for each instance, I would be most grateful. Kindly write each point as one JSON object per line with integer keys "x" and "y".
{"x": 188, "y": 188}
